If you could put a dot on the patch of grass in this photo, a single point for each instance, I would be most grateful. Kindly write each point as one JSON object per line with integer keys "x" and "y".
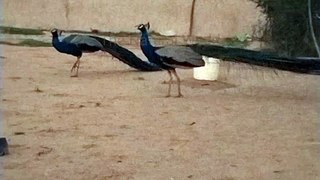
{"x": 34, "y": 43}
{"x": 120, "y": 34}
{"x": 239, "y": 41}
{"x": 111, "y": 34}
{"x": 29, "y": 43}
{"x": 114, "y": 34}
{"x": 231, "y": 42}
{"x": 23, "y": 31}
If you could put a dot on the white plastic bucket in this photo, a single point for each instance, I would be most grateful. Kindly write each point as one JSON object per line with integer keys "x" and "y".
{"x": 208, "y": 72}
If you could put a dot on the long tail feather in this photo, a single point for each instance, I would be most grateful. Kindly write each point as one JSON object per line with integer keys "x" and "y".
{"x": 298, "y": 65}
{"x": 126, "y": 56}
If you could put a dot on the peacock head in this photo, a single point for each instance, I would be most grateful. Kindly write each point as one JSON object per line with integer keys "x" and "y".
{"x": 54, "y": 32}
{"x": 143, "y": 27}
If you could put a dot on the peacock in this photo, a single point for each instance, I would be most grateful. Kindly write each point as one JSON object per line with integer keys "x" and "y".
{"x": 76, "y": 45}
{"x": 306, "y": 65}
{"x": 189, "y": 56}
{"x": 169, "y": 57}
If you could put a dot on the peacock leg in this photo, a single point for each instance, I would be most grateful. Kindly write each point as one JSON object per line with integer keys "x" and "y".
{"x": 170, "y": 82}
{"x": 178, "y": 80}
{"x": 76, "y": 65}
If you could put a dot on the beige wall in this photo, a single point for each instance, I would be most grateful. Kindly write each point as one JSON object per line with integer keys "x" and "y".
{"x": 216, "y": 18}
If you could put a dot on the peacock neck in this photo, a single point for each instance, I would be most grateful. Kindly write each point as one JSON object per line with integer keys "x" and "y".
{"x": 144, "y": 41}
{"x": 55, "y": 38}
{"x": 147, "y": 49}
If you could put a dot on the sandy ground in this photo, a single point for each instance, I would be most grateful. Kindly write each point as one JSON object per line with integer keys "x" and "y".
{"x": 114, "y": 123}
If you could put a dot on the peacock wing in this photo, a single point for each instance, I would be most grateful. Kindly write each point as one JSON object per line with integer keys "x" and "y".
{"x": 83, "y": 40}
{"x": 179, "y": 56}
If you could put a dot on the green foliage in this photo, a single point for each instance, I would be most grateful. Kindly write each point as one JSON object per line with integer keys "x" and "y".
{"x": 23, "y": 31}
{"x": 288, "y": 28}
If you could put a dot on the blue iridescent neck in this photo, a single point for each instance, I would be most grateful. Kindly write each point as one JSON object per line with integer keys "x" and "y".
{"x": 55, "y": 39}
{"x": 144, "y": 40}
{"x": 147, "y": 49}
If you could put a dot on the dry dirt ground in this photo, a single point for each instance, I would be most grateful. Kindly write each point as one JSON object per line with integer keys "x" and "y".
{"x": 114, "y": 122}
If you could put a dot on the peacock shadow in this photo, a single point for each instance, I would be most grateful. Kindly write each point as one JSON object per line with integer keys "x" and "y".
{"x": 108, "y": 73}
{"x": 203, "y": 84}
